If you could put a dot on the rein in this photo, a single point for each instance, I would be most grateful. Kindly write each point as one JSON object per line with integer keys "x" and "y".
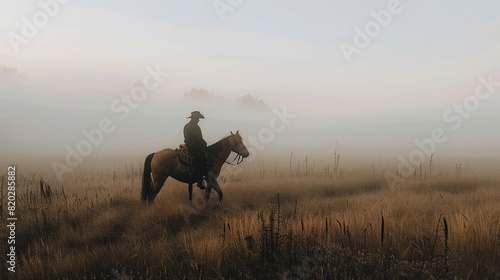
{"x": 238, "y": 158}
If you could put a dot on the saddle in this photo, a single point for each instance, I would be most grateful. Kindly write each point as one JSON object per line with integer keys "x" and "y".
{"x": 186, "y": 157}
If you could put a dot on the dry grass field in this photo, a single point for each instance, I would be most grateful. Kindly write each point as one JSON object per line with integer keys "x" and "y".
{"x": 348, "y": 226}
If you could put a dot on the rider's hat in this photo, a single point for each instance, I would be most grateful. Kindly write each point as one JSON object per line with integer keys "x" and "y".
{"x": 196, "y": 115}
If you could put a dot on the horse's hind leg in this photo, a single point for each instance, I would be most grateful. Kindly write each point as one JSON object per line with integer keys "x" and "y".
{"x": 158, "y": 184}
{"x": 216, "y": 187}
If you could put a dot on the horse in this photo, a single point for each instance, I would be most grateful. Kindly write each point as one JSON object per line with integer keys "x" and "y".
{"x": 166, "y": 163}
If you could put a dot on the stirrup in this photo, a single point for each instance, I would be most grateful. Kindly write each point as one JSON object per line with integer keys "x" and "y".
{"x": 203, "y": 184}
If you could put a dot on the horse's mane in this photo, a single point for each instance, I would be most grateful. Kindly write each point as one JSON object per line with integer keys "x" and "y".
{"x": 217, "y": 146}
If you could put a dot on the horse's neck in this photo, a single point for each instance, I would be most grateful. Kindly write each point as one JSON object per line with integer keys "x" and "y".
{"x": 224, "y": 149}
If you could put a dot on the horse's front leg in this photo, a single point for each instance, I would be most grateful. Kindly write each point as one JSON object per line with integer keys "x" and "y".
{"x": 212, "y": 184}
{"x": 208, "y": 190}
{"x": 216, "y": 187}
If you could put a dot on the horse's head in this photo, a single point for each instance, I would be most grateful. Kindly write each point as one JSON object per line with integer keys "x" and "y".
{"x": 237, "y": 145}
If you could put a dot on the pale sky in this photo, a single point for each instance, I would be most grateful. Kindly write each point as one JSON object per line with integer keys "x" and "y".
{"x": 425, "y": 59}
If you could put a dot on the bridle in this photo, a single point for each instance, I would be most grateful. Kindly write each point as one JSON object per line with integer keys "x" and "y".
{"x": 238, "y": 158}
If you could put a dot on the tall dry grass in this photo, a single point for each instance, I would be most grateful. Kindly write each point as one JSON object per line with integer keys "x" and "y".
{"x": 320, "y": 227}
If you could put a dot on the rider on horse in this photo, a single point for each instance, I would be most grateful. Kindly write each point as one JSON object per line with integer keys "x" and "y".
{"x": 196, "y": 145}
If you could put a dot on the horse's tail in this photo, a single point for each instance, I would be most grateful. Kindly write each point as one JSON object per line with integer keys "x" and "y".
{"x": 146, "y": 178}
